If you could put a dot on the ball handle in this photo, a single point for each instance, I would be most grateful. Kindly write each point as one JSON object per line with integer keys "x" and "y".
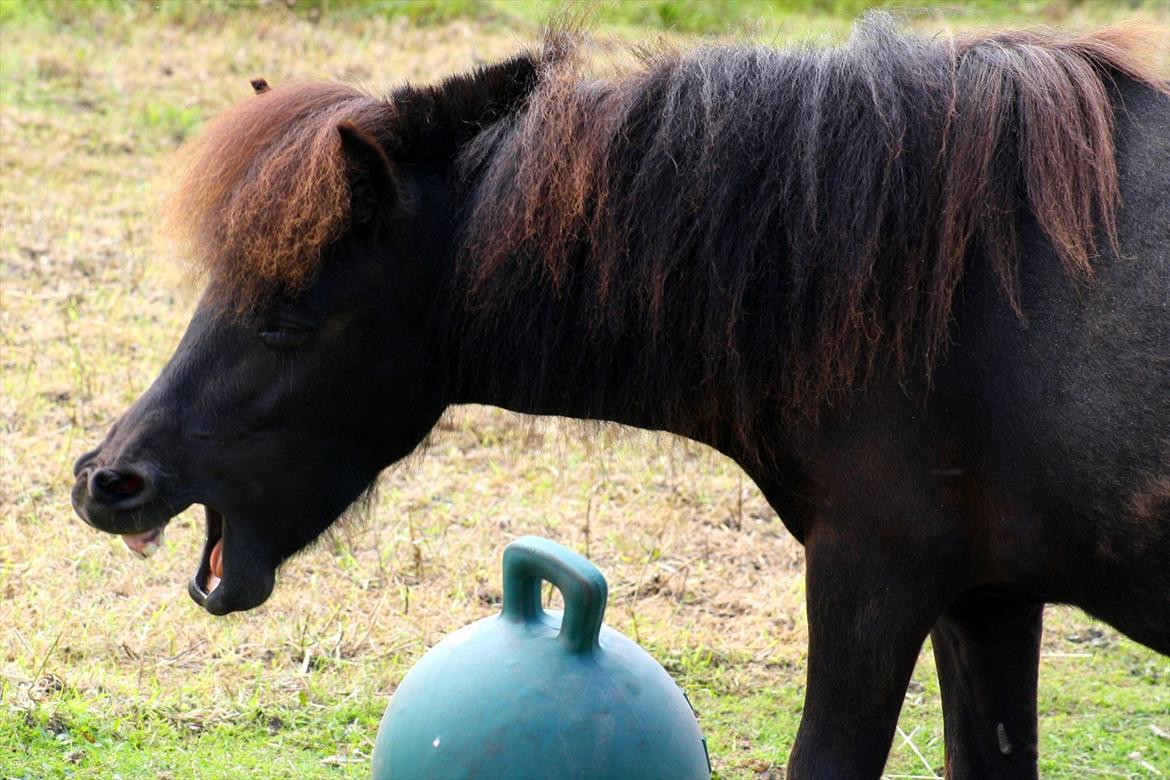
{"x": 530, "y": 560}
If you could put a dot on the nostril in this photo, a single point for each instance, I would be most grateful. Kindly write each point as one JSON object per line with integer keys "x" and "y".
{"x": 112, "y": 485}
{"x": 83, "y": 464}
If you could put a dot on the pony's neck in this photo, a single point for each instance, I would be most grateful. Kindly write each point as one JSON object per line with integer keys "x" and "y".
{"x": 544, "y": 358}
{"x": 506, "y": 361}
{"x": 538, "y": 345}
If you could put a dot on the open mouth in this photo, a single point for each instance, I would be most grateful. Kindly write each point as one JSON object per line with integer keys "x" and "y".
{"x": 238, "y": 565}
{"x": 234, "y": 574}
{"x": 209, "y": 575}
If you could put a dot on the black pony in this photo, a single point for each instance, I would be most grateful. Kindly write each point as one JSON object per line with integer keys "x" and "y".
{"x": 918, "y": 288}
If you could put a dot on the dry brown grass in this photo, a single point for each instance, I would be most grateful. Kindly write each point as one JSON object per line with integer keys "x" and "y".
{"x": 700, "y": 569}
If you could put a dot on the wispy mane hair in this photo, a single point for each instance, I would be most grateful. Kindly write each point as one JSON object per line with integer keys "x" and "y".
{"x": 725, "y": 234}
{"x": 263, "y": 187}
{"x": 745, "y": 231}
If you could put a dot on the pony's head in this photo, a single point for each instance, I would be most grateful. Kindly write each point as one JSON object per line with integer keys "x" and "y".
{"x": 319, "y": 219}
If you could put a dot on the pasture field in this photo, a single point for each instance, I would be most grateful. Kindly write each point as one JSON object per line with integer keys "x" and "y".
{"x": 108, "y": 670}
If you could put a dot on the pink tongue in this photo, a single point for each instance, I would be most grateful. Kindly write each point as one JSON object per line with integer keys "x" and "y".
{"x": 214, "y": 576}
{"x": 146, "y": 543}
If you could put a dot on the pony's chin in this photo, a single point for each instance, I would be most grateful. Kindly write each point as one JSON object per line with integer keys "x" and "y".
{"x": 219, "y": 588}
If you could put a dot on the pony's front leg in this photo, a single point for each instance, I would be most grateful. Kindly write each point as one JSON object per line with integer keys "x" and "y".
{"x": 988, "y": 652}
{"x": 872, "y": 599}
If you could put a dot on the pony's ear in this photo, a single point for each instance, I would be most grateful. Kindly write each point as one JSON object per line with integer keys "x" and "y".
{"x": 432, "y": 123}
{"x": 373, "y": 183}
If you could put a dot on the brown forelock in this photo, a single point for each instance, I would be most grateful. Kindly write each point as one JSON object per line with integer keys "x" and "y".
{"x": 263, "y": 188}
{"x": 772, "y": 228}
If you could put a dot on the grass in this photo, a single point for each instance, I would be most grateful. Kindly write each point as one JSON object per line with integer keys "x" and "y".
{"x": 107, "y": 669}
{"x": 767, "y": 17}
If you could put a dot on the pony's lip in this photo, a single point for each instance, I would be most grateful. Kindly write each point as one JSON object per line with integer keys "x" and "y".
{"x": 201, "y": 587}
{"x": 134, "y": 524}
{"x": 247, "y": 572}
{"x": 146, "y": 543}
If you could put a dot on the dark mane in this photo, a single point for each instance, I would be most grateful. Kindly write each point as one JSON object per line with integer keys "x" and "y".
{"x": 767, "y": 230}
{"x": 770, "y": 229}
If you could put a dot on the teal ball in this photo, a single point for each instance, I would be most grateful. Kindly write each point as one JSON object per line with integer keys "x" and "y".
{"x": 534, "y": 694}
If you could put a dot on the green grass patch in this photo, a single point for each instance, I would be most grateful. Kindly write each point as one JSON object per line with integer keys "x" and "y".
{"x": 684, "y": 16}
{"x": 75, "y": 738}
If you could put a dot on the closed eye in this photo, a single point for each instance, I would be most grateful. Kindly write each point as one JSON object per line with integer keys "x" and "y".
{"x": 283, "y": 338}
{"x": 285, "y": 325}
